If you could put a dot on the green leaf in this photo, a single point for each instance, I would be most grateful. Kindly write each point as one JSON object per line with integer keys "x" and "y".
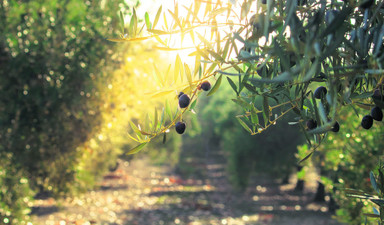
{"x": 122, "y": 23}
{"x": 216, "y": 86}
{"x": 168, "y": 109}
{"x": 226, "y": 48}
{"x": 373, "y": 182}
{"x": 306, "y": 157}
{"x": 202, "y": 38}
{"x": 245, "y": 7}
{"x": 135, "y": 129}
{"x": 179, "y": 68}
{"x": 161, "y": 93}
{"x": 254, "y": 115}
{"x": 233, "y": 85}
{"x": 361, "y": 96}
{"x": 193, "y": 105}
{"x": 231, "y": 74}
{"x": 147, "y": 22}
{"x": 162, "y": 118}
{"x": 250, "y": 88}
{"x": 337, "y": 21}
{"x": 244, "y": 125}
{"x": 158, "y": 32}
{"x": 375, "y": 211}
{"x": 188, "y": 74}
{"x": 130, "y": 136}
{"x": 137, "y": 148}
{"x": 157, "y": 16}
{"x": 197, "y": 65}
{"x": 266, "y": 110}
{"x": 245, "y": 105}
{"x": 216, "y": 56}
{"x": 321, "y": 129}
{"x": 156, "y": 121}
{"x": 133, "y": 24}
{"x": 322, "y": 112}
{"x": 176, "y": 19}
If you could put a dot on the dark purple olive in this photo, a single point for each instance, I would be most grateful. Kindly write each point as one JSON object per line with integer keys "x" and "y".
{"x": 206, "y": 86}
{"x": 336, "y": 127}
{"x": 311, "y": 124}
{"x": 180, "y": 127}
{"x": 367, "y": 122}
{"x": 184, "y": 101}
{"x": 377, "y": 114}
{"x": 378, "y": 95}
{"x": 320, "y": 92}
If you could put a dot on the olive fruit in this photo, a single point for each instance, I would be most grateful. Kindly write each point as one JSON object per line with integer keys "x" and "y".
{"x": 184, "y": 101}
{"x": 377, "y": 114}
{"x": 261, "y": 69}
{"x": 264, "y": 2}
{"x": 180, "y": 94}
{"x": 336, "y": 127}
{"x": 206, "y": 85}
{"x": 180, "y": 127}
{"x": 367, "y": 122}
{"x": 377, "y": 94}
{"x": 311, "y": 124}
{"x": 320, "y": 92}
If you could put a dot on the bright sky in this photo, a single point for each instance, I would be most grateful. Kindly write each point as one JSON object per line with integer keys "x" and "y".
{"x": 151, "y": 6}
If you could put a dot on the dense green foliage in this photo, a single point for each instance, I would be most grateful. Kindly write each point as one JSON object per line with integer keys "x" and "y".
{"x": 246, "y": 154}
{"x": 347, "y": 157}
{"x": 53, "y": 55}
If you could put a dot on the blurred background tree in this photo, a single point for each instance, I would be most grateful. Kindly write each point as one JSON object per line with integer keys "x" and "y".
{"x": 54, "y": 64}
{"x": 347, "y": 157}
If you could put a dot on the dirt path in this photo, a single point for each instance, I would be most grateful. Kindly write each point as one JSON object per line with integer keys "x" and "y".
{"x": 140, "y": 193}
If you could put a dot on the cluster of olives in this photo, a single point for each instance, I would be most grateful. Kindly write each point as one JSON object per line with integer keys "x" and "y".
{"x": 312, "y": 124}
{"x": 366, "y": 122}
{"x": 184, "y": 101}
{"x": 320, "y": 93}
{"x": 376, "y": 114}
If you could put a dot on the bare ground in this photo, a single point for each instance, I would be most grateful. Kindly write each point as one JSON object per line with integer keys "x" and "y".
{"x": 141, "y": 193}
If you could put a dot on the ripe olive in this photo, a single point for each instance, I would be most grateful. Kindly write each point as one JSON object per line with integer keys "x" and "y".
{"x": 376, "y": 113}
{"x": 206, "y": 86}
{"x": 320, "y": 92}
{"x": 311, "y": 124}
{"x": 367, "y": 122}
{"x": 180, "y": 127}
{"x": 184, "y": 101}
{"x": 336, "y": 127}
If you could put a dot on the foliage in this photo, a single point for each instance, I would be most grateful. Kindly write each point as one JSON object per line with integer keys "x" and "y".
{"x": 286, "y": 53}
{"x": 15, "y": 193}
{"x": 263, "y": 153}
{"x": 53, "y": 56}
{"x": 347, "y": 157}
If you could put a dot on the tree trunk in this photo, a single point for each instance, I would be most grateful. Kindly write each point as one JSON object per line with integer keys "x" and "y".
{"x": 320, "y": 193}
{"x": 300, "y": 182}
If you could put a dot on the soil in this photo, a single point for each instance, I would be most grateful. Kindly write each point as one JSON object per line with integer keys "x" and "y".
{"x": 139, "y": 192}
